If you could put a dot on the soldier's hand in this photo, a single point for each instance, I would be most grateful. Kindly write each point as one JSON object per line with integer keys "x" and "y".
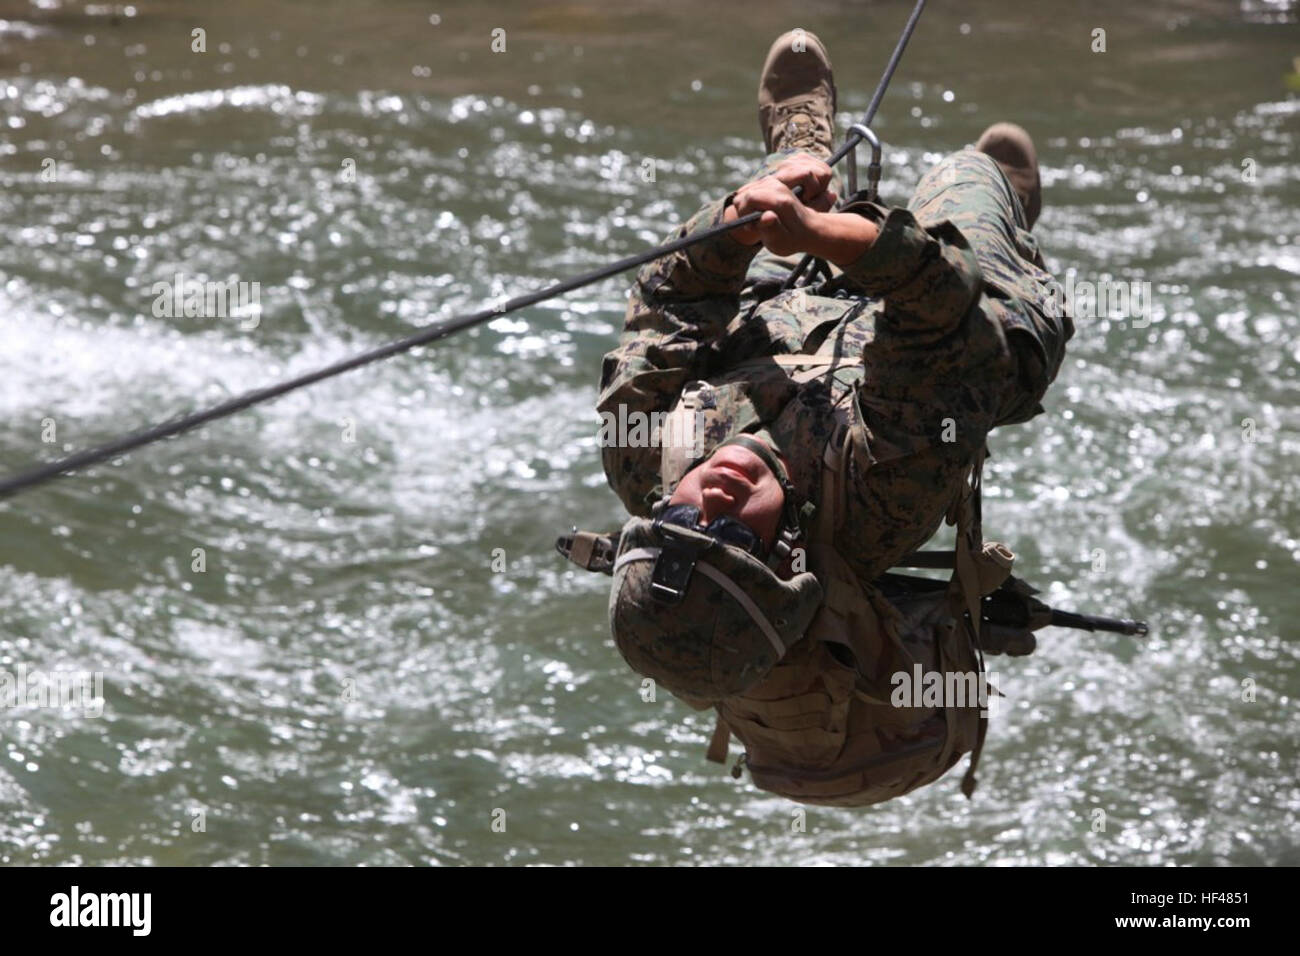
{"x": 813, "y": 175}
{"x": 788, "y": 224}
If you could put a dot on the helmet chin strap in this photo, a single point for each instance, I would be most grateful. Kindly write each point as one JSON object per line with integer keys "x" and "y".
{"x": 790, "y": 530}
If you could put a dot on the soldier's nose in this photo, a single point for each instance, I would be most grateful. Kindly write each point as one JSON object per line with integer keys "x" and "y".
{"x": 716, "y": 502}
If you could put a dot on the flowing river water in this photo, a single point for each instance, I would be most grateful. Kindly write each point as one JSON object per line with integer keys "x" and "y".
{"x": 382, "y": 654}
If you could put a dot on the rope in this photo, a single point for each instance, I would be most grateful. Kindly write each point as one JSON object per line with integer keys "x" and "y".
{"x": 432, "y": 333}
{"x": 854, "y": 137}
{"x": 441, "y": 330}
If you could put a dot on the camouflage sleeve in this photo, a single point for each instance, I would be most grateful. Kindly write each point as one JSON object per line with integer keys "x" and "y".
{"x": 927, "y": 278}
{"x": 932, "y": 373}
{"x": 678, "y": 309}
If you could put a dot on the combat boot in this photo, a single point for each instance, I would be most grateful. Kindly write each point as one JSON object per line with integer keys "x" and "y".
{"x": 1013, "y": 150}
{"x": 796, "y": 96}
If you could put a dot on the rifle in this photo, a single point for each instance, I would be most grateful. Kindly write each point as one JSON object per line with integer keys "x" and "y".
{"x": 1008, "y": 616}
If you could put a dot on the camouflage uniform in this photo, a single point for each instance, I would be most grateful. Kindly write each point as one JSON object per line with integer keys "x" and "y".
{"x": 949, "y": 312}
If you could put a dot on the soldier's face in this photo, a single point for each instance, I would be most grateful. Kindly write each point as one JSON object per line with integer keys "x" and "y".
{"x": 735, "y": 482}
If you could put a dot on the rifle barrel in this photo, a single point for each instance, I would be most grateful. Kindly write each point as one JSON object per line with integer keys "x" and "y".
{"x": 1090, "y": 622}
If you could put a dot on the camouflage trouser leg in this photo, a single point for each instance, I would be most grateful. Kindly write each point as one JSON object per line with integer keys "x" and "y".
{"x": 969, "y": 190}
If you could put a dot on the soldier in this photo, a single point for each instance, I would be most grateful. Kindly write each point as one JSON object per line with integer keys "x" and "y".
{"x": 832, "y": 428}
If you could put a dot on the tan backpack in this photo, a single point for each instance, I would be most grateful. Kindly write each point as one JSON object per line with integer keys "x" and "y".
{"x": 821, "y": 727}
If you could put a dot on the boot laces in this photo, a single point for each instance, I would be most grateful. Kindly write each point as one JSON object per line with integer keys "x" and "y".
{"x": 801, "y": 126}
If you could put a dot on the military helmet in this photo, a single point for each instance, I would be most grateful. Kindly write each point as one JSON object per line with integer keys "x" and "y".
{"x": 705, "y": 618}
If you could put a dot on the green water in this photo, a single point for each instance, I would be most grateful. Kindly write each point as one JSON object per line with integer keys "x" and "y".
{"x": 349, "y": 681}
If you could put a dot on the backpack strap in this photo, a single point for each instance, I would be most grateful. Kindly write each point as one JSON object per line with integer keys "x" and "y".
{"x": 717, "y": 751}
{"x": 677, "y": 456}
{"x": 965, "y": 591}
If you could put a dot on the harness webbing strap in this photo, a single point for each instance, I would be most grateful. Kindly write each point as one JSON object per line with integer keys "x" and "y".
{"x": 745, "y": 601}
{"x": 635, "y": 554}
{"x": 799, "y": 361}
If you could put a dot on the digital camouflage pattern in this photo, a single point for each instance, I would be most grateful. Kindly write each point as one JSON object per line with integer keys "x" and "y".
{"x": 664, "y": 641}
{"x": 949, "y": 312}
{"x": 939, "y": 332}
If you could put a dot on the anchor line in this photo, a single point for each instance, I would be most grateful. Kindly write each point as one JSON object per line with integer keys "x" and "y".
{"x": 40, "y": 474}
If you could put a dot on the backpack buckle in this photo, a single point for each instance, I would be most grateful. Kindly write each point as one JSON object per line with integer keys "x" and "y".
{"x": 589, "y": 550}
